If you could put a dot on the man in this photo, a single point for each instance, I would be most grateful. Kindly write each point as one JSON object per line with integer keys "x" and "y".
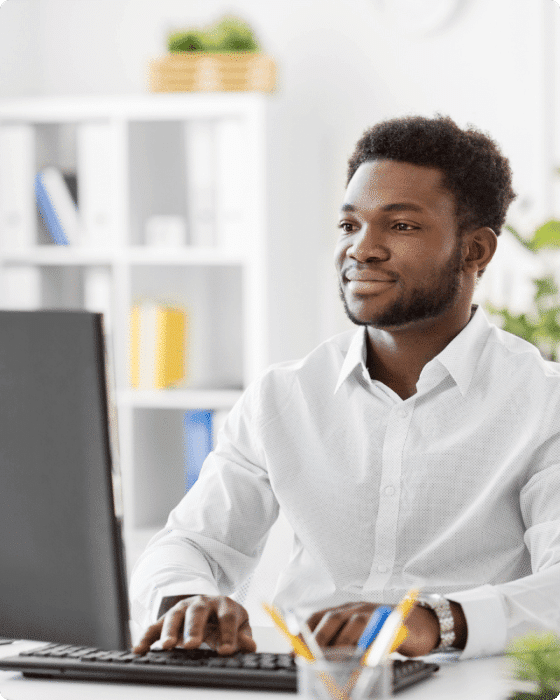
{"x": 422, "y": 450}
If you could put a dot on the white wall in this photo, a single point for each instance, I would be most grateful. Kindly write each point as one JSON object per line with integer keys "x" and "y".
{"x": 341, "y": 68}
{"x": 19, "y": 54}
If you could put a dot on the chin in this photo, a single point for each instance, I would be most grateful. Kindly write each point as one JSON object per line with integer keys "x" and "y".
{"x": 361, "y": 317}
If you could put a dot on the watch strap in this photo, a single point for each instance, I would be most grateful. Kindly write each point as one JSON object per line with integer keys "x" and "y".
{"x": 442, "y": 608}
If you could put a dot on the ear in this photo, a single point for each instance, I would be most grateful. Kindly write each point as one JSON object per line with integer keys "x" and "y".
{"x": 479, "y": 247}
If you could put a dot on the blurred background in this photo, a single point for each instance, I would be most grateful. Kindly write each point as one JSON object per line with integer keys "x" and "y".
{"x": 340, "y": 67}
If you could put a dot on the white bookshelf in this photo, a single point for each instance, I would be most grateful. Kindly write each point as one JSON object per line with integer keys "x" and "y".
{"x": 224, "y": 285}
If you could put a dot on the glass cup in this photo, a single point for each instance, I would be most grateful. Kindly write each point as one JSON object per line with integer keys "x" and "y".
{"x": 340, "y": 676}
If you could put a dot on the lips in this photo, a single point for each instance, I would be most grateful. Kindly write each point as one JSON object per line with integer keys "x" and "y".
{"x": 366, "y": 282}
{"x": 355, "y": 275}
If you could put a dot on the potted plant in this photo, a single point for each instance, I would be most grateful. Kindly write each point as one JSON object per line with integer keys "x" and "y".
{"x": 223, "y": 56}
{"x": 536, "y": 659}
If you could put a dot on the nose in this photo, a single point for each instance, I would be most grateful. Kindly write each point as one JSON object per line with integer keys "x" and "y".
{"x": 368, "y": 244}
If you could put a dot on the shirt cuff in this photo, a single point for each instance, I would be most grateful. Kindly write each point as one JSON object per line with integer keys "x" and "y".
{"x": 486, "y": 621}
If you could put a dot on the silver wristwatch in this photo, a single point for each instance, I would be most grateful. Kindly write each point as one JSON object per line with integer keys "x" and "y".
{"x": 442, "y": 609}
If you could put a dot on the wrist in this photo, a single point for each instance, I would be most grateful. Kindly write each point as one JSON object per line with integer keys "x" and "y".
{"x": 460, "y": 623}
{"x": 450, "y": 620}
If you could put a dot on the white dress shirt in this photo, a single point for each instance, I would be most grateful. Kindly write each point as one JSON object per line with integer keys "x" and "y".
{"x": 455, "y": 490}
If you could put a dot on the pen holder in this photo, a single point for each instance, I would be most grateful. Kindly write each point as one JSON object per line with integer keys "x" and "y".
{"x": 340, "y": 676}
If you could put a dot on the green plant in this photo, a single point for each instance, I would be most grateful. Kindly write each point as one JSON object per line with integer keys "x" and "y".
{"x": 229, "y": 34}
{"x": 537, "y": 659}
{"x": 541, "y": 326}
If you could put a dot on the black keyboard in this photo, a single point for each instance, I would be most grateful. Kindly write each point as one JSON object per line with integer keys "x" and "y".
{"x": 197, "y": 667}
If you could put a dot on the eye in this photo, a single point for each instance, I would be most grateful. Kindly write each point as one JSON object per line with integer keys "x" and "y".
{"x": 402, "y": 226}
{"x": 346, "y": 226}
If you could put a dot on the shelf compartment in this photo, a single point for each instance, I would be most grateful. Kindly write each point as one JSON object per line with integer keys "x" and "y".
{"x": 212, "y": 298}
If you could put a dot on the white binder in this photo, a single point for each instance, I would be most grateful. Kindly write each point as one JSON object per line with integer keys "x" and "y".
{"x": 18, "y": 222}
{"x": 96, "y": 183}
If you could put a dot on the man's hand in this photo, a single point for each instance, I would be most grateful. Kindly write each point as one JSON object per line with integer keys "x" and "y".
{"x": 217, "y": 620}
{"x": 343, "y": 626}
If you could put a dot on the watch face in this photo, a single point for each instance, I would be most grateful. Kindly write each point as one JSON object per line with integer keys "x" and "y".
{"x": 418, "y": 16}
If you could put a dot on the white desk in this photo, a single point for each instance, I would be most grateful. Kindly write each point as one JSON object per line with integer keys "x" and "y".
{"x": 481, "y": 679}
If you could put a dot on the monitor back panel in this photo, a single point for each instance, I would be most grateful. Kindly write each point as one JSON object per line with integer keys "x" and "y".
{"x": 61, "y": 566}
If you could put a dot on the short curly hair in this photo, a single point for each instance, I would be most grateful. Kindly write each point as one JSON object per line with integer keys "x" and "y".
{"x": 474, "y": 169}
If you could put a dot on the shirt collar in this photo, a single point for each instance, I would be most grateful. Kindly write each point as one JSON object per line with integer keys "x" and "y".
{"x": 459, "y": 357}
{"x": 355, "y": 356}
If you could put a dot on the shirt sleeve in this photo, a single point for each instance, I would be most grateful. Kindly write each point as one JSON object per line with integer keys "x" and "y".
{"x": 214, "y": 537}
{"x": 498, "y": 614}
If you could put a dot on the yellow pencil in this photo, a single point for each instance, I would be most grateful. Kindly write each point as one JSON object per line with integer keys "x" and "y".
{"x": 408, "y": 602}
{"x": 299, "y": 647}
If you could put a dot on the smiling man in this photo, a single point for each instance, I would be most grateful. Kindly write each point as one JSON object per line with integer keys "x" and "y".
{"x": 421, "y": 450}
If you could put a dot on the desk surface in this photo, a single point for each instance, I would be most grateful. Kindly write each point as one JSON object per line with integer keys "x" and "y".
{"x": 483, "y": 679}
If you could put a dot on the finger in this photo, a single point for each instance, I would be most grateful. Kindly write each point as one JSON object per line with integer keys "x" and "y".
{"x": 327, "y": 630}
{"x": 195, "y": 625}
{"x": 172, "y": 630}
{"x": 230, "y": 620}
{"x": 151, "y": 635}
{"x": 245, "y": 638}
{"x": 350, "y": 632}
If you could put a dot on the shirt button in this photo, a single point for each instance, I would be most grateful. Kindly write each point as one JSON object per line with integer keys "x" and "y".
{"x": 389, "y": 491}
{"x": 382, "y": 568}
{"x": 401, "y": 413}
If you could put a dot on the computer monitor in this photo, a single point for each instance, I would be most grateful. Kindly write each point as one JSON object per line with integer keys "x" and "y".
{"x": 62, "y": 569}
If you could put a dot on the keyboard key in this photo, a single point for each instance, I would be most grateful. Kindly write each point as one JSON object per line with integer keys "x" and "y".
{"x": 216, "y": 662}
{"x": 285, "y": 661}
{"x": 81, "y": 652}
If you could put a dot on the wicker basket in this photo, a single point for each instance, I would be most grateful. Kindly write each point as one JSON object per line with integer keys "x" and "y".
{"x": 193, "y": 72}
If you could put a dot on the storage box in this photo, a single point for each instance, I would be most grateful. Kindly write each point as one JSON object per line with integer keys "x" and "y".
{"x": 199, "y": 71}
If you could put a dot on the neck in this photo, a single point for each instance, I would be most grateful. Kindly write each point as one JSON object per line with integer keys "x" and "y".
{"x": 397, "y": 356}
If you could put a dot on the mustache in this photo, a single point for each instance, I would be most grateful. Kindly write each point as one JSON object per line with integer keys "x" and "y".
{"x": 383, "y": 274}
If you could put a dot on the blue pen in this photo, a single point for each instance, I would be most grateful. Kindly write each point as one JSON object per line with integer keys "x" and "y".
{"x": 374, "y": 625}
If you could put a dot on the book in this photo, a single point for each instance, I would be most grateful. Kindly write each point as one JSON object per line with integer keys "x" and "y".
{"x": 98, "y": 183}
{"x": 17, "y": 197}
{"x": 56, "y": 206}
{"x": 157, "y": 345}
{"x": 197, "y": 442}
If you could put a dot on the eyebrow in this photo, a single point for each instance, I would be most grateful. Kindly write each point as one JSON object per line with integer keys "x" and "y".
{"x": 396, "y": 206}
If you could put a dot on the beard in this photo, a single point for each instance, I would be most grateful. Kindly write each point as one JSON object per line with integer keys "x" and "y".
{"x": 433, "y": 299}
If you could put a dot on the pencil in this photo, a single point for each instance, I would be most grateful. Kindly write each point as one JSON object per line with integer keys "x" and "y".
{"x": 298, "y": 646}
